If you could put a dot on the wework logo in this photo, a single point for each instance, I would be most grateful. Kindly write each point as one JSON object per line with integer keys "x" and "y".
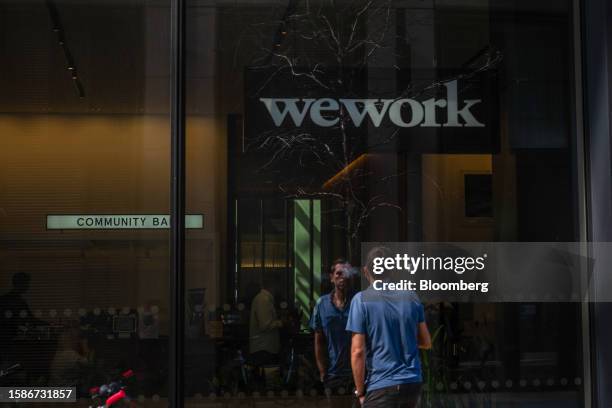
{"x": 405, "y": 112}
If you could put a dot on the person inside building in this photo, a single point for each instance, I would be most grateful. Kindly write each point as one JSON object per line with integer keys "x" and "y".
{"x": 17, "y": 323}
{"x": 71, "y": 358}
{"x": 264, "y": 326}
{"x": 15, "y": 312}
{"x": 331, "y": 340}
{"x": 388, "y": 328}
{"x": 13, "y": 305}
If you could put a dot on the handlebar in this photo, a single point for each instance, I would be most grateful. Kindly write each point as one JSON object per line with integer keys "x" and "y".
{"x": 9, "y": 370}
{"x": 118, "y": 396}
{"x": 113, "y": 391}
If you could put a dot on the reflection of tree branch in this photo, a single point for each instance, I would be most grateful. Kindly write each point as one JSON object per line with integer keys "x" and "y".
{"x": 437, "y": 185}
{"x": 366, "y": 214}
{"x": 356, "y": 21}
{"x": 339, "y": 35}
{"x": 302, "y": 193}
{"x": 270, "y": 78}
{"x": 311, "y": 74}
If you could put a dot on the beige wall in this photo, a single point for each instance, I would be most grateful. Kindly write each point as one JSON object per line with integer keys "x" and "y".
{"x": 103, "y": 164}
{"x": 444, "y": 198}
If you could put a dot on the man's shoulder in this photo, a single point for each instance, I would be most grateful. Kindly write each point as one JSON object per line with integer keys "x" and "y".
{"x": 378, "y": 299}
{"x": 357, "y": 298}
{"x": 368, "y": 293}
{"x": 322, "y": 301}
{"x": 261, "y": 297}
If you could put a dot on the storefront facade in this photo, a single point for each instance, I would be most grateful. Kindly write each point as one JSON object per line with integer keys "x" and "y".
{"x": 289, "y": 134}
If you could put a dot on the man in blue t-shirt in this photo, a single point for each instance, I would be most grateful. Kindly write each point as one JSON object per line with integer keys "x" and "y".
{"x": 388, "y": 328}
{"x": 331, "y": 340}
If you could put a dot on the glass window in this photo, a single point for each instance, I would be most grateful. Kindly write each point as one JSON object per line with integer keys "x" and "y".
{"x": 314, "y": 155}
{"x": 84, "y": 194}
{"x": 312, "y": 128}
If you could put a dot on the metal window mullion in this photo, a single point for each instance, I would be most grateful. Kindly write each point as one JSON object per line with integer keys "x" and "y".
{"x": 581, "y": 172}
{"x": 262, "y": 236}
{"x": 177, "y": 205}
{"x": 287, "y": 250}
{"x": 311, "y": 242}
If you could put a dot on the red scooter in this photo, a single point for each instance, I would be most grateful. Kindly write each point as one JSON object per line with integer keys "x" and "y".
{"x": 112, "y": 394}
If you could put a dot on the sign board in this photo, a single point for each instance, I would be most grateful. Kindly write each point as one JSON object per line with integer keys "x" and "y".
{"x": 117, "y": 221}
{"x": 455, "y": 112}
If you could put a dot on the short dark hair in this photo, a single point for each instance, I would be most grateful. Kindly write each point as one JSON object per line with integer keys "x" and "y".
{"x": 378, "y": 252}
{"x": 337, "y": 261}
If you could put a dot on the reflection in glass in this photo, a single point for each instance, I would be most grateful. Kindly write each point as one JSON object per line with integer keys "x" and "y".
{"x": 84, "y": 120}
{"x": 300, "y": 152}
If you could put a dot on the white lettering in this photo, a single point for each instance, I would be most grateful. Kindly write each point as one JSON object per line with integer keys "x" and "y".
{"x": 416, "y": 262}
{"x": 325, "y": 112}
{"x": 369, "y": 109}
{"x": 416, "y": 109}
{"x": 430, "y": 111}
{"x": 377, "y": 267}
{"x": 322, "y": 105}
{"x": 454, "y": 112}
{"x": 290, "y": 107}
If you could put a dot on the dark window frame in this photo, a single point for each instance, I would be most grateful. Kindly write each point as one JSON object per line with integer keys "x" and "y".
{"x": 177, "y": 206}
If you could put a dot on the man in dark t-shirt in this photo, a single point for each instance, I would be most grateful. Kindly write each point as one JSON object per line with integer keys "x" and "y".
{"x": 332, "y": 341}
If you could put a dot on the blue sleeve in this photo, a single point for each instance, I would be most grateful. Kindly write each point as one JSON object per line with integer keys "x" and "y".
{"x": 357, "y": 319}
{"x": 420, "y": 313}
{"x": 315, "y": 319}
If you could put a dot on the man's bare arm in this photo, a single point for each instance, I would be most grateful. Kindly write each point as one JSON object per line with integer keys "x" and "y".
{"x": 320, "y": 353}
{"x": 358, "y": 350}
{"x": 423, "y": 336}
